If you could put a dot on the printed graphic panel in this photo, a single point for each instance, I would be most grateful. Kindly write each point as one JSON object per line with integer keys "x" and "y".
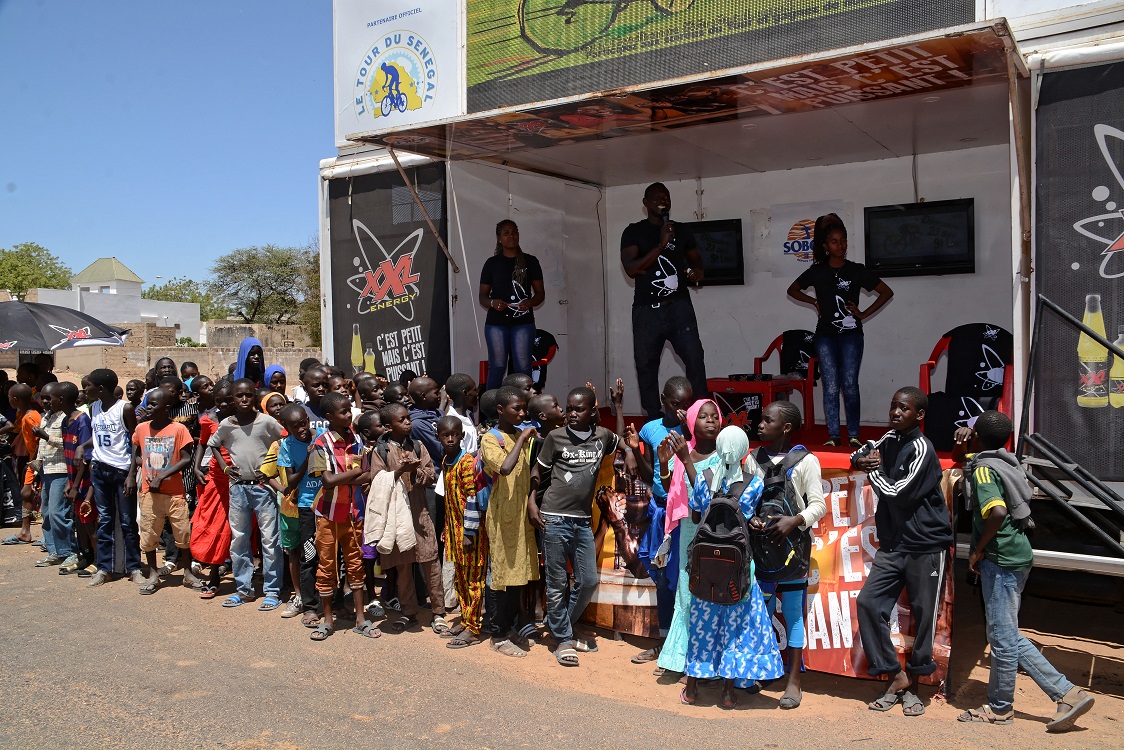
{"x": 389, "y": 276}
{"x": 1079, "y": 388}
{"x": 522, "y": 51}
{"x": 395, "y": 68}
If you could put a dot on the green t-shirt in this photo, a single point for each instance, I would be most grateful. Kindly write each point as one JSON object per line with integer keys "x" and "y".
{"x": 1009, "y": 548}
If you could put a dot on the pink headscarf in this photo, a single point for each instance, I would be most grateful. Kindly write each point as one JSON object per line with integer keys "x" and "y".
{"x": 677, "y": 493}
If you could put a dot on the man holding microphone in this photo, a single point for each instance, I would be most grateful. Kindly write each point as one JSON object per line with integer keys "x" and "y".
{"x": 662, "y": 258}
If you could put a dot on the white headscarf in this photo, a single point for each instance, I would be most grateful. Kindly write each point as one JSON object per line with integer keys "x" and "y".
{"x": 731, "y": 446}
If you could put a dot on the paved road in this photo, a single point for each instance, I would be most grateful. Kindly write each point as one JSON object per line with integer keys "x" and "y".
{"x": 109, "y": 668}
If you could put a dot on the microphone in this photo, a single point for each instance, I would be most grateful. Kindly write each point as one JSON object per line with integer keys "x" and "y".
{"x": 665, "y": 216}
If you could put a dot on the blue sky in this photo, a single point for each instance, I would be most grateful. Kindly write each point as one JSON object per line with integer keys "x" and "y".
{"x": 164, "y": 134}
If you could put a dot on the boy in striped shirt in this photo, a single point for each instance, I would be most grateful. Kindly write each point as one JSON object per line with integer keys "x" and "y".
{"x": 335, "y": 457}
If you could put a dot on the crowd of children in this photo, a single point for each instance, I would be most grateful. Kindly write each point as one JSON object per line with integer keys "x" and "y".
{"x": 405, "y": 493}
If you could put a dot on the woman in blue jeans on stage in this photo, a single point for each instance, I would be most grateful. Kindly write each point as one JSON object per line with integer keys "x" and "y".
{"x": 510, "y": 287}
{"x": 839, "y": 332}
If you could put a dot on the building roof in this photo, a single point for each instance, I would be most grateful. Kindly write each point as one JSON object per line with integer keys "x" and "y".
{"x": 105, "y": 269}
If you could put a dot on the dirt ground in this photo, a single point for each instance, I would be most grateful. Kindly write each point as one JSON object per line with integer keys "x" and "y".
{"x": 107, "y": 668}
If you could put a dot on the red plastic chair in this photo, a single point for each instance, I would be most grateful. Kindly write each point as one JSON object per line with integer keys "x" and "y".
{"x": 545, "y": 359}
{"x": 805, "y": 385}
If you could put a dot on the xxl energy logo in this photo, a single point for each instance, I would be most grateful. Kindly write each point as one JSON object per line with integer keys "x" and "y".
{"x": 798, "y": 244}
{"x": 385, "y": 280}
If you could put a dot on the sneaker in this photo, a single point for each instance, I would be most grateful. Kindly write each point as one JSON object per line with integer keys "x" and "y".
{"x": 70, "y": 561}
{"x": 97, "y": 579}
{"x": 48, "y": 561}
{"x": 138, "y": 577}
{"x": 293, "y": 608}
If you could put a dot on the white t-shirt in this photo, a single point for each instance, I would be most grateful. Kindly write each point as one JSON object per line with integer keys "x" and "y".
{"x": 112, "y": 444}
{"x": 470, "y": 443}
{"x": 807, "y": 481}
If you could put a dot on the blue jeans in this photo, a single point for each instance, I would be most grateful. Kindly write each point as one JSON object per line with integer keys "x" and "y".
{"x": 246, "y": 501}
{"x": 840, "y": 357}
{"x": 112, "y": 502}
{"x": 58, "y": 516}
{"x": 568, "y": 539}
{"x": 653, "y": 325}
{"x": 1010, "y": 649}
{"x": 508, "y": 341}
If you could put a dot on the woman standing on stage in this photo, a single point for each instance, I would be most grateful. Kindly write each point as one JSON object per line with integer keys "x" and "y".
{"x": 839, "y": 332}
{"x": 510, "y": 287}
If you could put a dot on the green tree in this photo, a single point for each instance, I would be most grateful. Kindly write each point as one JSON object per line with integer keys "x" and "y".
{"x": 182, "y": 289}
{"x": 261, "y": 284}
{"x": 309, "y": 309}
{"x": 31, "y": 266}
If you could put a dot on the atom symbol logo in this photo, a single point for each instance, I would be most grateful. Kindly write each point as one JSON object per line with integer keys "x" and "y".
{"x": 1114, "y": 220}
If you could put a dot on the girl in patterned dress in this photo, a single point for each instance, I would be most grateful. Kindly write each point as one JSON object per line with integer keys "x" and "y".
{"x": 734, "y": 641}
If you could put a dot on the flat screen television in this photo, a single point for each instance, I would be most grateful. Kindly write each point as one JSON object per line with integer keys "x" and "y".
{"x": 921, "y": 239}
{"x": 720, "y": 245}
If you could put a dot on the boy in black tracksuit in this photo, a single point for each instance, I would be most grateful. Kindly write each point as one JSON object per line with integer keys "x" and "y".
{"x": 914, "y": 536}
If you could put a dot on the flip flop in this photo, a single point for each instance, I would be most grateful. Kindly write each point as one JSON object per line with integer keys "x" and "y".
{"x": 463, "y": 640}
{"x": 644, "y": 657}
{"x": 911, "y": 704}
{"x": 731, "y": 707}
{"x": 310, "y": 619}
{"x": 507, "y": 648}
{"x": 566, "y": 655}
{"x": 321, "y": 633}
{"x": 13, "y": 539}
{"x": 984, "y": 715}
{"x": 207, "y": 592}
{"x": 684, "y": 700}
{"x": 148, "y": 589}
{"x": 367, "y": 629}
{"x": 885, "y": 702}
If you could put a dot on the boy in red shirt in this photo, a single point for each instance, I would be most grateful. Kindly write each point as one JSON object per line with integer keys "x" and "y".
{"x": 162, "y": 450}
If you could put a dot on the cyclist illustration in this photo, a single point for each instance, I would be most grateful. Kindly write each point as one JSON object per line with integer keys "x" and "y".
{"x": 559, "y": 27}
{"x": 394, "y": 98}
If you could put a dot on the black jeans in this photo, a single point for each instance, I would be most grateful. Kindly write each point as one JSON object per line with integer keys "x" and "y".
{"x": 506, "y": 609}
{"x": 652, "y": 325}
{"x": 921, "y": 576}
{"x": 309, "y": 560}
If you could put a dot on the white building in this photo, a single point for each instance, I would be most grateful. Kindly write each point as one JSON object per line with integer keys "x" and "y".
{"x": 109, "y": 291}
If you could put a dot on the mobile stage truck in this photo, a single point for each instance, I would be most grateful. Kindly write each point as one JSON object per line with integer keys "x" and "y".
{"x": 973, "y": 149}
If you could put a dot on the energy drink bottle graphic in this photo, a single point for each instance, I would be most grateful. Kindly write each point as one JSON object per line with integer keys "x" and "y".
{"x": 369, "y": 359}
{"x": 1116, "y": 374}
{"x": 356, "y": 349}
{"x": 1092, "y": 358}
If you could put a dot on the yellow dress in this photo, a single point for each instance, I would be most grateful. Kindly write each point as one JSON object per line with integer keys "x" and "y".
{"x": 514, "y": 556}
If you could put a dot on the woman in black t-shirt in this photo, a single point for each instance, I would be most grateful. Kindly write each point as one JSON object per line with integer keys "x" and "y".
{"x": 839, "y": 332}
{"x": 510, "y": 287}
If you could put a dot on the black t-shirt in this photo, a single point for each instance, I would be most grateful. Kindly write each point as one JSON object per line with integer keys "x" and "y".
{"x": 573, "y": 464}
{"x": 835, "y": 287}
{"x": 664, "y": 279}
{"x": 499, "y": 273}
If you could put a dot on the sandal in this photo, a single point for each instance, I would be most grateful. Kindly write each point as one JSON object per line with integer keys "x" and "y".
{"x": 731, "y": 707}
{"x": 269, "y": 604}
{"x": 644, "y": 657}
{"x": 66, "y": 570}
{"x": 1077, "y": 705}
{"x": 885, "y": 702}
{"x": 208, "y": 591}
{"x": 402, "y": 623}
{"x": 14, "y": 539}
{"x": 310, "y": 619}
{"x": 367, "y": 629}
{"x": 912, "y": 705}
{"x": 321, "y": 633}
{"x": 148, "y": 589}
{"x": 507, "y": 648}
{"x": 685, "y": 700}
{"x": 984, "y": 715}
{"x": 566, "y": 654}
{"x": 585, "y": 645}
{"x": 236, "y": 600}
{"x": 528, "y": 631}
{"x": 464, "y": 639}
{"x": 440, "y": 627}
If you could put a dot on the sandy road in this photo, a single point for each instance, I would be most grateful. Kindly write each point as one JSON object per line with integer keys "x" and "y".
{"x": 108, "y": 668}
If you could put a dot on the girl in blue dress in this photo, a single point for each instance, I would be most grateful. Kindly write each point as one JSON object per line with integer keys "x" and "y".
{"x": 735, "y": 642}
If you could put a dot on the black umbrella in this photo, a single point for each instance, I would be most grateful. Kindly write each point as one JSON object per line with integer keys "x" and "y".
{"x": 29, "y": 325}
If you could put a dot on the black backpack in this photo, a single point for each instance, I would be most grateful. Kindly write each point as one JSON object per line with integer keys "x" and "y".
{"x": 718, "y": 558}
{"x": 789, "y": 559}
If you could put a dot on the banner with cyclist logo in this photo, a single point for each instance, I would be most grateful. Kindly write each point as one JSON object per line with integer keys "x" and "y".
{"x": 789, "y": 242}
{"x": 523, "y": 51}
{"x": 395, "y": 68}
{"x": 390, "y": 284}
